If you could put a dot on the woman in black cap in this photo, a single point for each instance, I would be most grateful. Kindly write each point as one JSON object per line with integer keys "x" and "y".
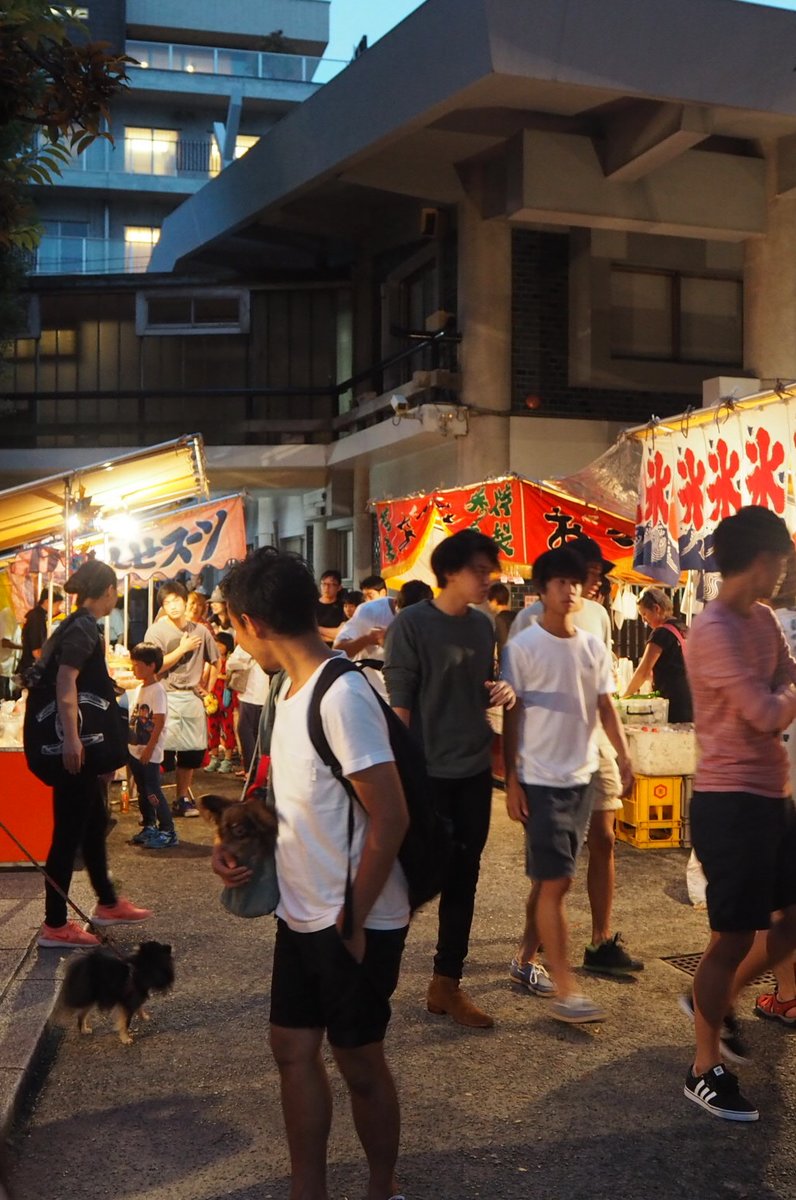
{"x": 79, "y": 815}
{"x": 219, "y": 619}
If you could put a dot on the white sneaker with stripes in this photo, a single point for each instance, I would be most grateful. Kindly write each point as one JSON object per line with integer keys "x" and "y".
{"x": 717, "y": 1092}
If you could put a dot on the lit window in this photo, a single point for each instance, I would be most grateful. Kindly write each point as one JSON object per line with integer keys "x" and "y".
{"x": 150, "y": 151}
{"x": 52, "y": 343}
{"x": 243, "y": 143}
{"x": 138, "y": 243}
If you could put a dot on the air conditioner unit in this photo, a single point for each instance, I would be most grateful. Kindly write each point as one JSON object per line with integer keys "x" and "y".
{"x": 315, "y": 504}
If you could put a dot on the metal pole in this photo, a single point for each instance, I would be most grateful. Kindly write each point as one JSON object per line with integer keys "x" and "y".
{"x": 150, "y": 587}
{"x": 106, "y": 556}
{"x": 126, "y": 637}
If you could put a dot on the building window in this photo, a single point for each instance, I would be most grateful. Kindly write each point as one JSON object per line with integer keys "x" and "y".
{"x": 51, "y": 343}
{"x": 150, "y": 151}
{"x": 211, "y": 310}
{"x": 243, "y": 143}
{"x": 138, "y": 243}
{"x": 670, "y": 316}
{"x": 62, "y": 249}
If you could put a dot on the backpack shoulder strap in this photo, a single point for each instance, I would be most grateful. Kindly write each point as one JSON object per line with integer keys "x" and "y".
{"x": 334, "y": 669}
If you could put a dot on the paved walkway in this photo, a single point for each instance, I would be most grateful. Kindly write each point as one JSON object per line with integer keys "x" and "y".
{"x": 530, "y": 1109}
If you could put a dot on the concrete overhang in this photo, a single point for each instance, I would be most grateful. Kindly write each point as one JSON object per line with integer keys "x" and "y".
{"x": 459, "y": 78}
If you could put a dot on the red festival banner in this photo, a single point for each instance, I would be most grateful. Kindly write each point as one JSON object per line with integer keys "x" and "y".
{"x": 524, "y": 518}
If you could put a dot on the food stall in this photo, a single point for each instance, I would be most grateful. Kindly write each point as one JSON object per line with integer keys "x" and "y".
{"x": 138, "y": 511}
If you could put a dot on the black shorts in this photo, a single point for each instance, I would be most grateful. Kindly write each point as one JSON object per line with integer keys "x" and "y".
{"x": 747, "y": 847}
{"x": 316, "y": 984}
{"x": 190, "y": 760}
{"x": 555, "y": 830}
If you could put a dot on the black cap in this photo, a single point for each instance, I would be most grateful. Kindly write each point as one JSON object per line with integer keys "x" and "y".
{"x": 590, "y": 552}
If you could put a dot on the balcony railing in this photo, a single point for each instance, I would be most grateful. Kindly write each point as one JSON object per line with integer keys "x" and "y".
{"x": 197, "y": 158}
{"x": 243, "y": 64}
{"x": 88, "y": 256}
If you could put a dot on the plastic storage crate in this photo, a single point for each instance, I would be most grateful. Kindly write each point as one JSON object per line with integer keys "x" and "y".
{"x": 651, "y": 817}
{"x": 685, "y": 808}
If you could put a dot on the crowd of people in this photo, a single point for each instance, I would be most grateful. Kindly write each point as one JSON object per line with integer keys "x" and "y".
{"x": 441, "y": 660}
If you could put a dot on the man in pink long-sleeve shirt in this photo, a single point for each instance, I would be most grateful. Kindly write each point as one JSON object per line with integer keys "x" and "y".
{"x": 743, "y": 820}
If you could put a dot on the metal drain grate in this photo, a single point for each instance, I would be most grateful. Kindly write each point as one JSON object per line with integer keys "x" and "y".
{"x": 688, "y": 963}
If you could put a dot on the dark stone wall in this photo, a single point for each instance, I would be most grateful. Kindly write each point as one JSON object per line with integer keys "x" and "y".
{"x": 540, "y": 342}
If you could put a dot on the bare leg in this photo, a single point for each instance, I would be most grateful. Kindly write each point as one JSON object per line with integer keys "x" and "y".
{"x": 772, "y": 949}
{"x": 601, "y": 874}
{"x": 552, "y": 927}
{"x": 713, "y": 992}
{"x": 306, "y": 1107}
{"x": 377, "y": 1117}
{"x": 184, "y": 779}
{"x": 529, "y": 947}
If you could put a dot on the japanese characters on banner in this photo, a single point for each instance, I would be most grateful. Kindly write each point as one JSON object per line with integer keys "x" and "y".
{"x": 202, "y": 535}
{"x": 525, "y": 519}
{"x": 692, "y": 478}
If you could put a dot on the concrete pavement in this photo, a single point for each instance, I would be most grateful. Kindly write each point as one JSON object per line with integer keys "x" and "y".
{"x": 530, "y": 1109}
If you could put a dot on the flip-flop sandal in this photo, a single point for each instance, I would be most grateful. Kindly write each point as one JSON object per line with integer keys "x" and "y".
{"x": 771, "y": 1008}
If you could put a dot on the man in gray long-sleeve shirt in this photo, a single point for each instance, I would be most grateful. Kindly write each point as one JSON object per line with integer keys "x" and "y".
{"x": 438, "y": 667}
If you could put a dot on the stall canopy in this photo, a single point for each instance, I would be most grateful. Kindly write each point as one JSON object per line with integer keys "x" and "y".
{"x": 703, "y": 466}
{"x": 524, "y": 518}
{"x": 131, "y": 483}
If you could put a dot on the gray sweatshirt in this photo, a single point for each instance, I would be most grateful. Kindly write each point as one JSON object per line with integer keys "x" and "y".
{"x": 436, "y": 666}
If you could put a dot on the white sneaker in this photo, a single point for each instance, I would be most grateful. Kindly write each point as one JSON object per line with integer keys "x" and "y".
{"x": 576, "y": 1010}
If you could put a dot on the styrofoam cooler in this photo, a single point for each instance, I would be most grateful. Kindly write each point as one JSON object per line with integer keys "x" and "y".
{"x": 643, "y": 710}
{"x": 670, "y": 750}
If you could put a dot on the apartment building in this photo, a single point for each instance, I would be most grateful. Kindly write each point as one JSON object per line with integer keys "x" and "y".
{"x": 533, "y": 225}
{"x": 207, "y": 86}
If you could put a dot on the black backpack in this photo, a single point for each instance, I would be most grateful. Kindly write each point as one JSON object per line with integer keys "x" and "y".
{"x": 101, "y": 723}
{"x": 426, "y": 850}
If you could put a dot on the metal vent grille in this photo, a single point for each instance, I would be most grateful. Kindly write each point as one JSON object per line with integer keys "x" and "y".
{"x": 688, "y": 963}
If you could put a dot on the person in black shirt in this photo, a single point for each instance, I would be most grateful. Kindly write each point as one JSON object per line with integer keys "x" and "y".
{"x": 34, "y": 630}
{"x": 329, "y": 608}
{"x": 663, "y": 657}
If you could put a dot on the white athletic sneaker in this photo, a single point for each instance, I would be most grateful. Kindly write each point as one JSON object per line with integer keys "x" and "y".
{"x": 576, "y": 1010}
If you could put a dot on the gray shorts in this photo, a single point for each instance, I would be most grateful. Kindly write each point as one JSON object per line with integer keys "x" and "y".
{"x": 555, "y": 831}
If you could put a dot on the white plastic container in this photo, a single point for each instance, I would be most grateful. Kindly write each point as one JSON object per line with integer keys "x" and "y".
{"x": 668, "y": 750}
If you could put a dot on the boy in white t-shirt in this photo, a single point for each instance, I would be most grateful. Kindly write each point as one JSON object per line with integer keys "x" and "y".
{"x": 563, "y": 679}
{"x": 148, "y": 720}
{"x": 325, "y": 983}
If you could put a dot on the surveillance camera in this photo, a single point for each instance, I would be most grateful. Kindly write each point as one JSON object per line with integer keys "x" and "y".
{"x": 399, "y": 404}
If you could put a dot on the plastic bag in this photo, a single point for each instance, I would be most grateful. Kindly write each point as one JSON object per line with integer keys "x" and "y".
{"x": 696, "y": 882}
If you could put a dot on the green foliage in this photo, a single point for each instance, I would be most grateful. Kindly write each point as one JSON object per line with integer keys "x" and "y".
{"x": 56, "y": 87}
{"x": 55, "y": 92}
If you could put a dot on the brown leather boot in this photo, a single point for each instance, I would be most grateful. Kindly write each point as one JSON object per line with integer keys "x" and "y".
{"x": 446, "y": 997}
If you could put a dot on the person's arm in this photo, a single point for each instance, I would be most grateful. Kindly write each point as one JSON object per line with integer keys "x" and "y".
{"x": 352, "y": 646}
{"x": 616, "y": 736}
{"x": 402, "y": 667}
{"x": 379, "y": 791}
{"x": 716, "y": 658}
{"x": 66, "y": 700}
{"x": 516, "y": 800}
{"x": 643, "y": 671}
{"x": 158, "y": 721}
{"x": 188, "y": 642}
{"x": 786, "y": 664}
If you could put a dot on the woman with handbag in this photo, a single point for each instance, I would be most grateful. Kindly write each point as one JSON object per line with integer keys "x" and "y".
{"x": 75, "y": 654}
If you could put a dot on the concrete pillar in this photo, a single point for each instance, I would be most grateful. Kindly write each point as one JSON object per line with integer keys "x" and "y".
{"x": 770, "y": 288}
{"x": 485, "y": 322}
{"x": 362, "y": 524}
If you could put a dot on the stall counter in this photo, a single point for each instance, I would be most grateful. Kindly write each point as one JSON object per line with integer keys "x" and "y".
{"x": 26, "y": 808}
